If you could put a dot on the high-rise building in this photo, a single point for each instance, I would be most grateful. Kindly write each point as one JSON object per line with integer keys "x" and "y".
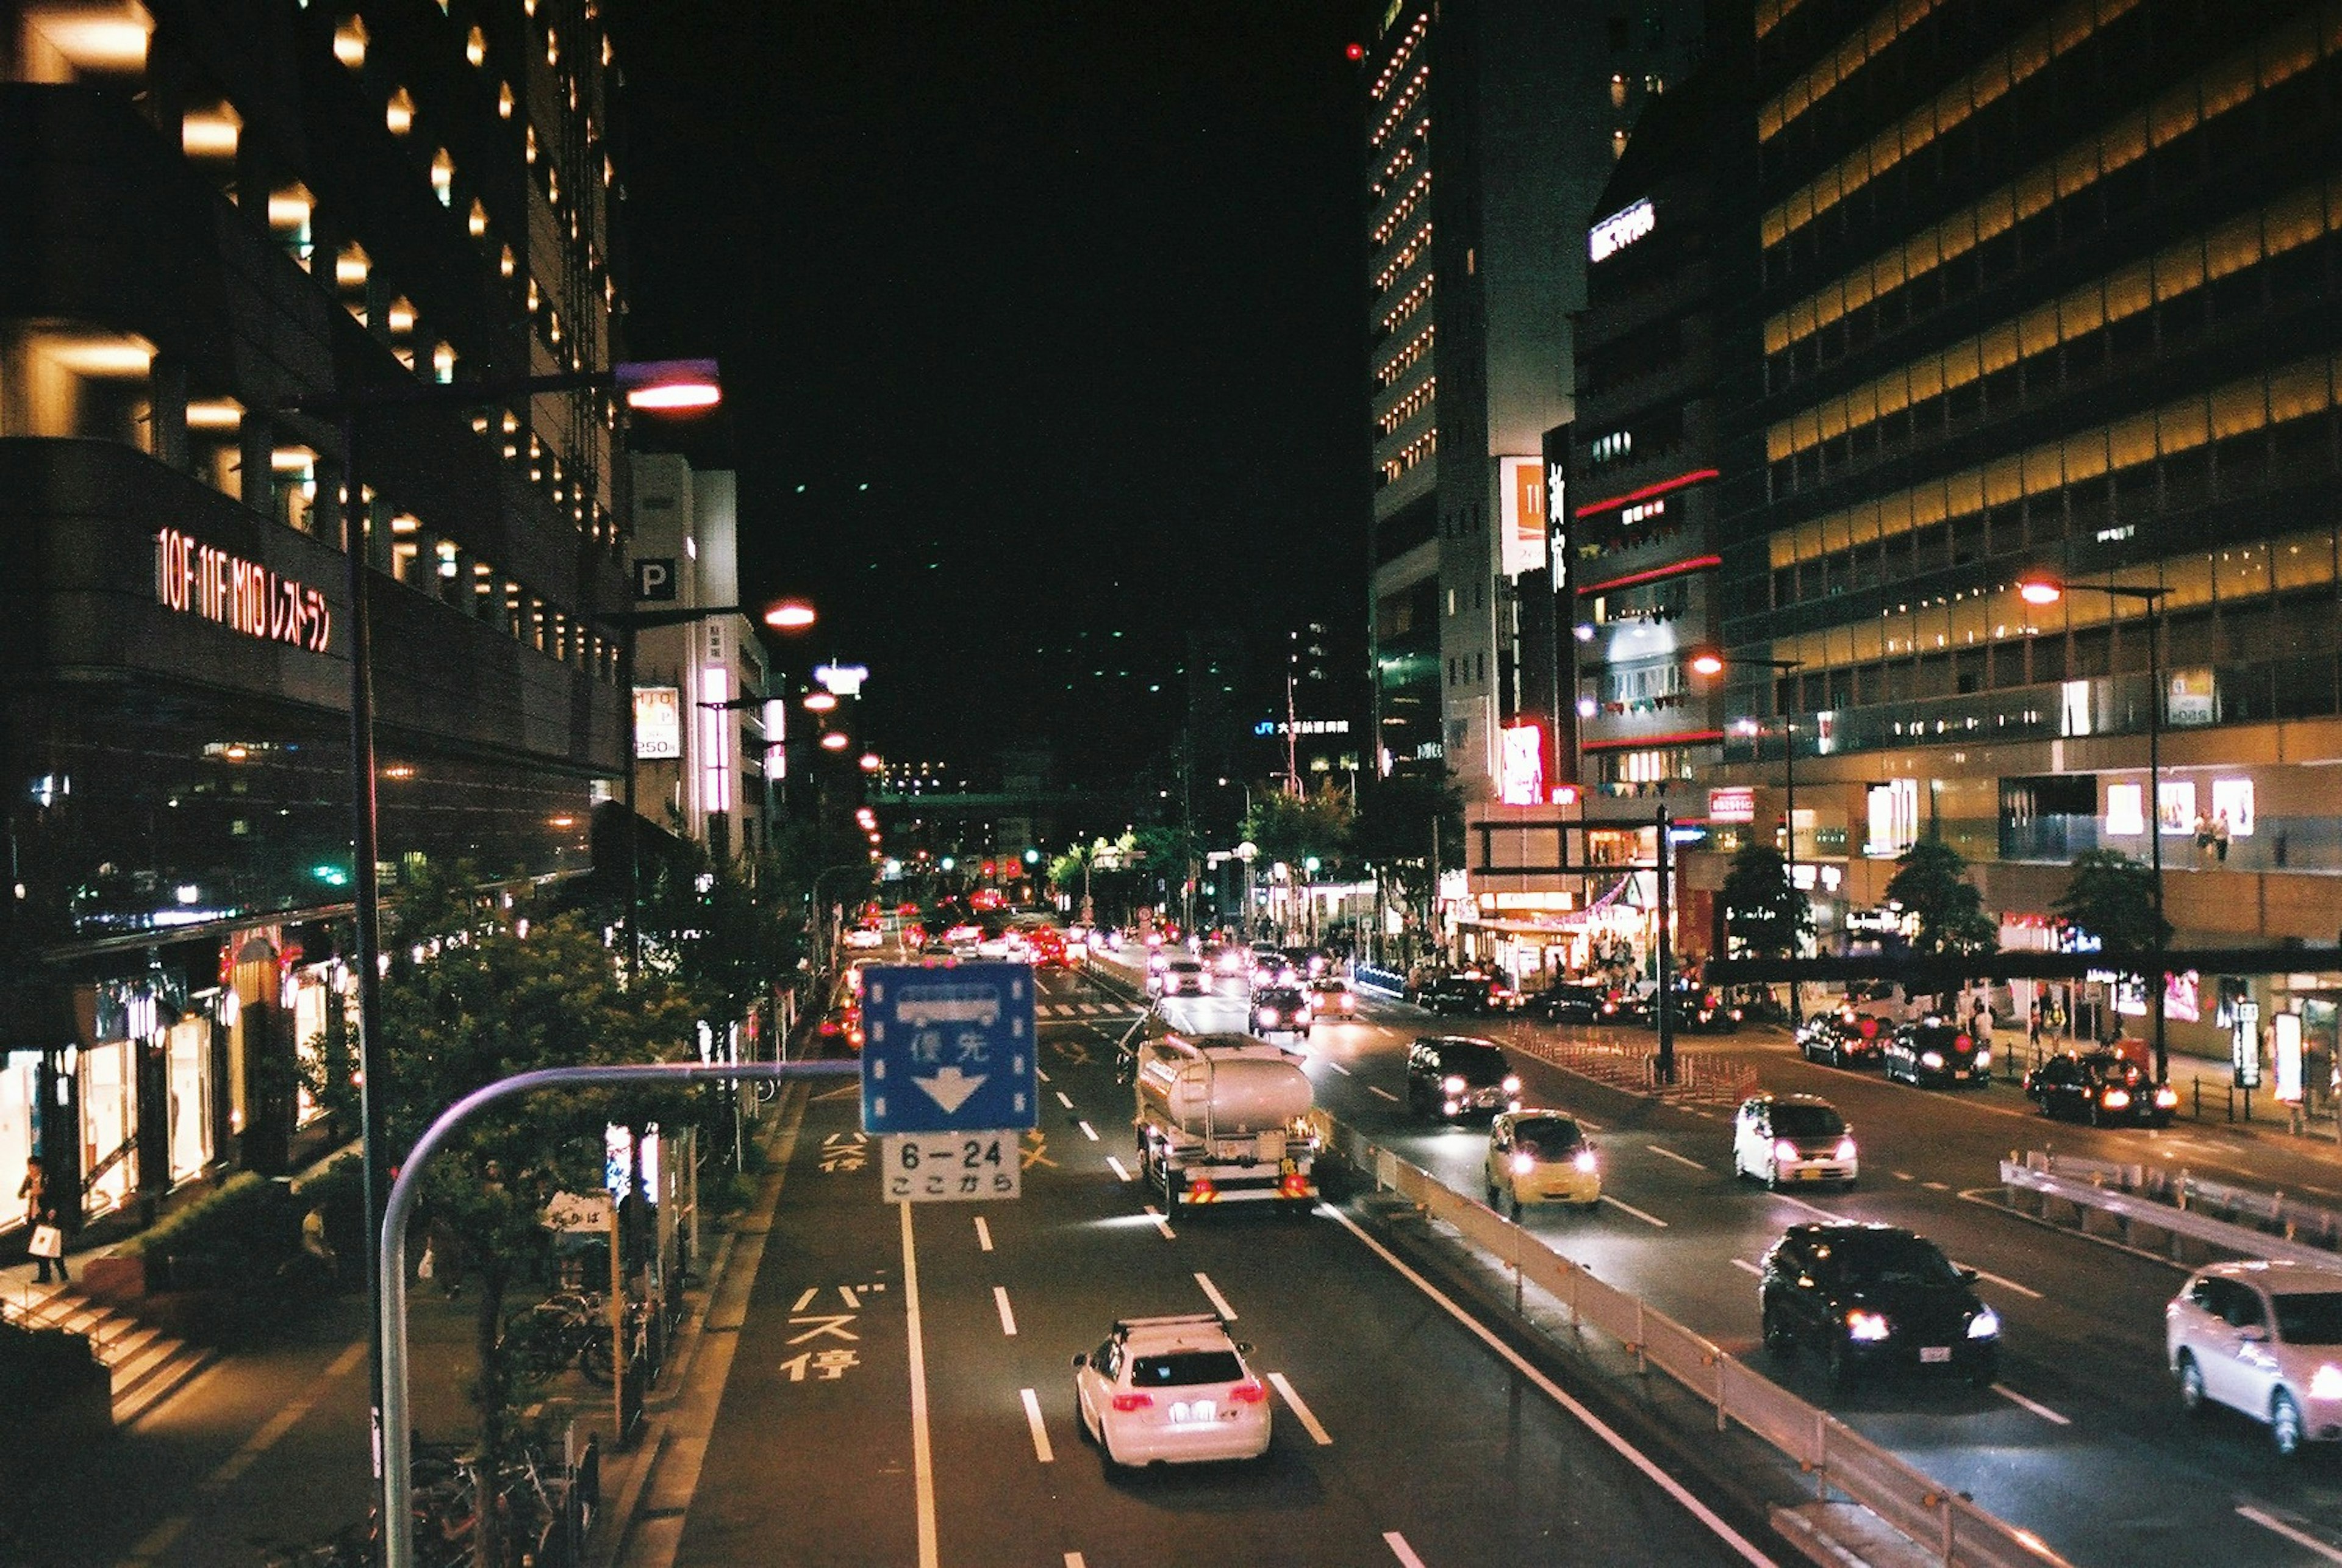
{"x": 208, "y": 212}
{"x": 2048, "y": 291}
{"x": 1491, "y": 127}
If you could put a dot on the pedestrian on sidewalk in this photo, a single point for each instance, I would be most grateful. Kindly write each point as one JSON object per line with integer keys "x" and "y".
{"x": 34, "y": 1191}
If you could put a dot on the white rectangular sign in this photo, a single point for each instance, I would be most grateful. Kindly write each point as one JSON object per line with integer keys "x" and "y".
{"x": 952, "y": 1167}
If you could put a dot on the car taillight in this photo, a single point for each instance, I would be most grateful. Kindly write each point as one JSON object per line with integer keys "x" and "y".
{"x": 1867, "y": 1028}
{"x": 2114, "y": 1099}
{"x": 829, "y": 1026}
{"x": 1134, "y": 1402}
{"x": 1961, "y": 1042}
{"x": 1247, "y": 1394}
{"x": 2165, "y": 1096}
{"x": 1295, "y": 1186}
{"x": 1200, "y": 1190}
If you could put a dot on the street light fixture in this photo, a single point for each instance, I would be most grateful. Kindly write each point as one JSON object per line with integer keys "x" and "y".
{"x": 2043, "y": 589}
{"x": 1707, "y": 662}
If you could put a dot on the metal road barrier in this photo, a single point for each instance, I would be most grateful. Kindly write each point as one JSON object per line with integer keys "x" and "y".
{"x": 1951, "y": 1528}
{"x": 1702, "y": 1077}
{"x": 2179, "y": 1207}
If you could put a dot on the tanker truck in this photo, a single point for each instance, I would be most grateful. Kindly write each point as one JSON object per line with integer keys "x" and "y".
{"x": 1224, "y": 1119}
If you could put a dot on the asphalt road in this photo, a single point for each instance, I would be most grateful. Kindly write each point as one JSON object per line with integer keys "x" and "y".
{"x": 2082, "y": 1441}
{"x": 1399, "y": 1436}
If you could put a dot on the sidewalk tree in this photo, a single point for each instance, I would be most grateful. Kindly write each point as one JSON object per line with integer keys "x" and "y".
{"x": 1764, "y": 912}
{"x": 1295, "y": 829}
{"x": 1932, "y": 885}
{"x": 2112, "y": 896}
{"x": 1401, "y": 822}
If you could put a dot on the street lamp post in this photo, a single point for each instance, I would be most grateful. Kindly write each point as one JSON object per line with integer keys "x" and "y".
{"x": 1714, "y": 664}
{"x": 2042, "y": 589}
{"x": 670, "y": 385}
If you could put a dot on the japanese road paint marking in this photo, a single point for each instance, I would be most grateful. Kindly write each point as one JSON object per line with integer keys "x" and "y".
{"x": 982, "y": 1235}
{"x": 1378, "y": 1089}
{"x": 1037, "y": 1072}
{"x": 1902, "y": 1175}
{"x": 852, "y": 1301}
{"x": 805, "y": 1300}
{"x": 1041, "y": 1450}
{"x": 923, "y": 1457}
{"x": 1936, "y": 1186}
{"x": 2043, "y": 1410}
{"x": 1062, "y": 1100}
{"x": 1671, "y": 1154}
{"x": 1219, "y": 1303}
{"x": 1752, "y": 1268}
{"x": 1007, "y": 1318}
{"x": 1401, "y": 1549}
{"x": 1554, "y": 1391}
{"x": 2301, "y": 1538}
{"x": 1160, "y": 1222}
{"x": 1087, "y": 1131}
{"x": 2027, "y": 1291}
{"x": 1629, "y": 1208}
{"x": 1309, "y": 1421}
{"x": 1345, "y": 1071}
{"x": 1074, "y": 1560}
{"x": 1800, "y": 1203}
{"x": 1121, "y": 1171}
{"x": 2321, "y": 1192}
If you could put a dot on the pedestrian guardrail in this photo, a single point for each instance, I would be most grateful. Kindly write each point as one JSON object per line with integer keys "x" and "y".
{"x": 1381, "y": 982}
{"x": 2177, "y": 1206}
{"x": 1702, "y": 1077}
{"x": 1840, "y": 1459}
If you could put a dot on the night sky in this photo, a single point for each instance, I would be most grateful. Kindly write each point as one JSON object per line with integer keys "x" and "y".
{"x": 1039, "y": 324}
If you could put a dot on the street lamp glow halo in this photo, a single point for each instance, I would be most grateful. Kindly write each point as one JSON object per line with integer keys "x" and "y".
{"x": 834, "y": 741}
{"x": 1707, "y": 664}
{"x": 2040, "y": 591}
{"x": 819, "y": 701}
{"x": 790, "y": 616}
{"x": 669, "y": 385}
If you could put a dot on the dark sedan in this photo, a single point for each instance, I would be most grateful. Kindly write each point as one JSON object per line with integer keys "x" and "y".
{"x": 1843, "y": 1039}
{"x": 1933, "y": 1052}
{"x": 2102, "y": 1089}
{"x": 1869, "y": 1296}
{"x": 1571, "y": 1002}
{"x": 1468, "y": 993}
{"x": 1453, "y": 1076}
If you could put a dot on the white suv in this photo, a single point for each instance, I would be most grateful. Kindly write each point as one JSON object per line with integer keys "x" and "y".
{"x": 2264, "y": 1338}
{"x": 1780, "y": 1139}
{"x": 1171, "y": 1389}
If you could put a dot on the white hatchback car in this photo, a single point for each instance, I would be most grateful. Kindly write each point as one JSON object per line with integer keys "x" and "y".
{"x": 2264, "y": 1338}
{"x": 1781, "y": 1139}
{"x": 1171, "y": 1389}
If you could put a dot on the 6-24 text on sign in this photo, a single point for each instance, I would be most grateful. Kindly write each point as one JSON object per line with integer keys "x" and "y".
{"x": 947, "y": 1167}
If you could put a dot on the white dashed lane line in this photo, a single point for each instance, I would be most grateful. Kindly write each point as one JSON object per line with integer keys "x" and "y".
{"x": 983, "y": 1234}
{"x": 1301, "y": 1412}
{"x": 1648, "y": 1219}
{"x": 2301, "y": 1538}
{"x": 1160, "y": 1222}
{"x": 1752, "y": 1268}
{"x": 2027, "y": 1291}
{"x": 1671, "y": 1154}
{"x": 1378, "y": 1089}
{"x": 1121, "y": 1171}
{"x": 2043, "y": 1410}
{"x": 1212, "y": 1293}
{"x": 1345, "y": 1071}
{"x": 1007, "y": 1317}
{"x": 1401, "y": 1549}
{"x": 1062, "y": 1100}
{"x": 1041, "y": 1450}
{"x": 1087, "y": 1131}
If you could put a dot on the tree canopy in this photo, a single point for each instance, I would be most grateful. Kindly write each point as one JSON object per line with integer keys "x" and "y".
{"x": 2112, "y": 897}
{"x": 1764, "y": 912}
{"x": 1932, "y": 884}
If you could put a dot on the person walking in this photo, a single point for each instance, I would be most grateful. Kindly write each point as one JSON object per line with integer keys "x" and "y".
{"x": 34, "y": 1191}
{"x": 2221, "y": 834}
{"x": 1980, "y": 1019}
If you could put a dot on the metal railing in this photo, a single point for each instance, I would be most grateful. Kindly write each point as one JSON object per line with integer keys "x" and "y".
{"x": 1931, "y": 1513}
{"x": 2178, "y": 1205}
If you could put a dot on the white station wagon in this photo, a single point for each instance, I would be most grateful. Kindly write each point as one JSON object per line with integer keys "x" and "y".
{"x": 2264, "y": 1338}
{"x": 1171, "y": 1389}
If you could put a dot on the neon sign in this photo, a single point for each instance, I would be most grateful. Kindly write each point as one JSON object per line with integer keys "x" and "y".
{"x": 197, "y": 579}
{"x": 1621, "y": 229}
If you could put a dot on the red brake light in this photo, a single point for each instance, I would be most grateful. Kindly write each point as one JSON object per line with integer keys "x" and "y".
{"x": 1246, "y": 1393}
{"x": 1867, "y": 1028}
{"x": 1134, "y": 1402}
{"x": 1961, "y": 1042}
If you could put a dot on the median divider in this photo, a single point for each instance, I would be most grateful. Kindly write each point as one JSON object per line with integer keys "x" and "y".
{"x": 1940, "y": 1526}
{"x": 2120, "y": 1202}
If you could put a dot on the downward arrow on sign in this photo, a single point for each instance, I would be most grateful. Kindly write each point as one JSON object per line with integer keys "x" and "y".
{"x": 950, "y": 1087}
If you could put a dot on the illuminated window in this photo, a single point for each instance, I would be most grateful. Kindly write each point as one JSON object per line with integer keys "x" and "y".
{"x": 399, "y": 113}
{"x": 478, "y": 222}
{"x": 290, "y": 208}
{"x": 443, "y": 363}
{"x": 528, "y": 143}
{"x": 504, "y": 262}
{"x": 443, "y": 177}
{"x": 350, "y": 43}
{"x": 210, "y": 132}
{"x": 1618, "y": 144}
{"x": 475, "y": 47}
{"x": 1618, "y": 91}
{"x": 504, "y": 102}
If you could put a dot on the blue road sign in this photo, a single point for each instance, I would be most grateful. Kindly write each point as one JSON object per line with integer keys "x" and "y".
{"x": 948, "y": 1049}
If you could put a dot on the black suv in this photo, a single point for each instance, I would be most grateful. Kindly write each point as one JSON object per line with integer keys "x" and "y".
{"x": 1570, "y": 1002}
{"x": 1933, "y": 1052}
{"x": 1868, "y": 1296}
{"x": 1452, "y": 1075}
{"x": 2102, "y": 1089}
{"x": 1461, "y": 994}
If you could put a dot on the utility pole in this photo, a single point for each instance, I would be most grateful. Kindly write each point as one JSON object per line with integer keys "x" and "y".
{"x": 1667, "y": 1062}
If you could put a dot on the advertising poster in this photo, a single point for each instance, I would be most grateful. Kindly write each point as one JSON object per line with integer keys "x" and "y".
{"x": 2285, "y": 1036}
{"x": 2188, "y": 698}
{"x": 1523, "y": 484}
{"x": 2176, "y": 808}
{"x": 658, "y": 723}
{"x": 2233, "y": 798}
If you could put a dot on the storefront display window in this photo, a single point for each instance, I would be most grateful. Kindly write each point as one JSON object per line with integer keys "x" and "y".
{"x": 188, "y": 1072}
{"x": 312, "y": 997}
{"x": 109, "y": 1156}
{"x": 19, "y": 1076}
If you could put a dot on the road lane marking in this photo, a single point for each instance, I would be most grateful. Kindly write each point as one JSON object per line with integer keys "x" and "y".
{"x": 1007, "y": 1317}
{"x": 2321, "y": 1192}
{"x": 1902, "y": 1176}
{"x": 1401, "y": 1549}
{"x": 1629, "y": 1208}
{"x": 2027, "y": 1291}
{"x": 1592, "y": 1422}
{"x": 1074, "y": 1560}
{"x": 1219, "y": 1303}
{"x": 2043, "y": 1410}
{"x": 1087, "y": 1131}
{"x": 1041, "y": 1450}
{"x": 1936, "y": 1186}
{"x": 1309, "y": 1421}
{"x": 2301, "y": 1538}
{"x": 1378, "y": 1089}
{"x": 983, "y": 1237}
{"x": 923, "y": 1457}
{"x": 1752, "y": 1268}
{"x": 805, "y": 1300}
{"x": 1337, "y": 1067}
{"x": 1121, "y": 1174}
{"x": 1062, "y": 1100}
{"x": 1671, "y": 1154}
{"x": 852, "y": 1301}
{"x": 1160, "y": 1222}
{"x": 1818, "y": 1213}
{"x": 1037, "y": 1072}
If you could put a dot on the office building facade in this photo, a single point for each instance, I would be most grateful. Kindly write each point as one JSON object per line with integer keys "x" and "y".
{"x": 208, "y": 213}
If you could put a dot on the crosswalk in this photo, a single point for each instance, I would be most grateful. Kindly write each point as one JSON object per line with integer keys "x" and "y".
{"x": 1082, "y": 1010}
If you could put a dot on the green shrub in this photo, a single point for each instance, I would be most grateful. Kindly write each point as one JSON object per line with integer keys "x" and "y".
{"x": 236, "y": 1234}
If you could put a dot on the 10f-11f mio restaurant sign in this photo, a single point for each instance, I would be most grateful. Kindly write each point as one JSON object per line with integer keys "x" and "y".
{"x": 197, "y": 579}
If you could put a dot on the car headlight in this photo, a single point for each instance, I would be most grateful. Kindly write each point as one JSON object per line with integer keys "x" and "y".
{"x": 1845, "y": 1148}
{"x": 1512, "y": 1084}
{"x": 1452, "y": 1084}
{"x": 1783, "y": 1149}
{"x": 2325, "y": 1382}
{"x": 1584, "y": 1160}
{"x": 1867, "y": 1327}
{"x": 1931, "y": 1058}
{"x": 1986, "y": 1324}
{"x": 1524, "y": 1164}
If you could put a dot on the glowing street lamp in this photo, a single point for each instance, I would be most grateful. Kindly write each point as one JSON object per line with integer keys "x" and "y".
{"x": 790, "y": 616}
{"x": 834, "y": 741}
{"x": 870, "y": 762}
{"x": 2042, "y": 589}
{"x": 819, "y": 701}
{"x": 1709, "y": 662}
